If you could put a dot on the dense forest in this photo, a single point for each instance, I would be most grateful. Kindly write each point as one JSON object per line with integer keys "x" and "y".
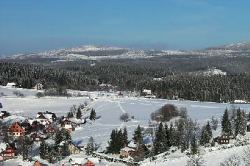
{"x": 171, "y": 84}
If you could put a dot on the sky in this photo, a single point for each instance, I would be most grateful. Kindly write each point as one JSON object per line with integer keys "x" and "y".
{"x": 37, "y": 25}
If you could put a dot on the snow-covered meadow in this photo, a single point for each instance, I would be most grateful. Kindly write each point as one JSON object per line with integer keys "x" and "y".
{"x": 110, "y": 108}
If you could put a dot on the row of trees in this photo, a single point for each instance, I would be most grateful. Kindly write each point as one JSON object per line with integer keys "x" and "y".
{"x": 128, "y": 77}
{"x": 55, "y": 151}
{"x": 118, "y": 139}
{"x": 234, "y": 122}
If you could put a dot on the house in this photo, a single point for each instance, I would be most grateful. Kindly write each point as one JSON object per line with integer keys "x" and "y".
{"x": 26, "y": 126}
{"x": 37, "y": 164}
{"x": 38, "y": 86}
{"x": 77, "y": 161}
{"x": 4, "y": 114}
{"x": 8, "y": 153}
{"x": 68, "y": 125}
{"x": 146, "y": 92}
{"x": 42, "y": 119}
{"x": 50, "y": 116}
{"x": 11, "y": 85}
{"x": 50, "y": 130}
{"x": 38, "y": 137}
{"x": 92, "y": 162}
{"x": 36, "y": 126}
{"x": 224, "y": 139}
{"x": 74, "y": 149}
{"x": 16, "y": 130}
{"x": 127, "y": 152}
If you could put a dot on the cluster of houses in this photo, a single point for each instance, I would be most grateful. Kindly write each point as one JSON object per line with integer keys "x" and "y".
{"x": 41, "y": 128}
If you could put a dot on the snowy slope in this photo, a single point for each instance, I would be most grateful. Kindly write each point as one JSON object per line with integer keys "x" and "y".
{"x": 110, "y": 108}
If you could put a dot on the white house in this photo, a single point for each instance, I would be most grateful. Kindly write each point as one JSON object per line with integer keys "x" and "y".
{"x": 147, "y": 92}
{"x": 11, "y": 85}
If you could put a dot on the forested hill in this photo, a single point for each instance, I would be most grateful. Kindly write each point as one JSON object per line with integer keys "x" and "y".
{"x": 163, "y": 82}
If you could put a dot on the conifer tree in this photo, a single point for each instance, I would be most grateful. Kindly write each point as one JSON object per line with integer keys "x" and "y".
{"x": 112, "y": 143}
{"x": 90, "y": 146}
{"x": 125, "y": 136}
{"x": 225, "y": 123}
{"x": 206, "y": 134}
{"x": 92, "y": 114}
{"x": 168, "y": 136}
{"x": 79, "y": 113}
{"x": 240, "y": 123}
{"x": 172, "y": 134}
{"x": 137, "y": 137}
{"x": 194, "y": 146}
{"x": 160, "y": 140}
{"x": 119, "y": 140}
{"x": 42, "y": 150}
{"x": 58, "y": 137}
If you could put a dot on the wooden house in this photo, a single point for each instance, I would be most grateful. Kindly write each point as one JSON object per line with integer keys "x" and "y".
{"x": 127, "y": 152}
{"x": 50, "y": 130}
{"x": 16, "y": 130}
{"x": 223, "y": 139}
{"x": 68, "y": 125}
{"x": 42, "y": 119}
{"x": 74, "y": 149}
{"x": 9, "y": 153}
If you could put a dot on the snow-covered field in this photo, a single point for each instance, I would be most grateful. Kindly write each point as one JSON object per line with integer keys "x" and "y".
{"x": 110, "y": 108}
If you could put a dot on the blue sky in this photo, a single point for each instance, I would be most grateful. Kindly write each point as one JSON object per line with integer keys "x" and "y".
{"x": 38, "y": 25}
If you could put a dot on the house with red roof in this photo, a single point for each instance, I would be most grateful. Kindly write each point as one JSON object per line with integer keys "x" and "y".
{"x": 16, "y": 130}
{"x": 8, "y": 153}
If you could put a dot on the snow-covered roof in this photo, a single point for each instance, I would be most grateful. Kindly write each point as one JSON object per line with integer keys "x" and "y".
{"x": 132, "y": 144}
{"x": 127, "y": 149}
{"x": 10, "y": 84}
{"x": 94, "y": 160}
{"x": 78, "y": 160}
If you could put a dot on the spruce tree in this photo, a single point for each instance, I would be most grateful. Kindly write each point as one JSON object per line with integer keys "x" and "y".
{"x": 90, "y": 146}
{"x": 160, "y": 140}
{"x": 168, "y": 136}
{"x": 119, "y": 141}
{"x": 172, "y": 134}
{"x": 240, "y": 123}
{"x": 125, "y": 136}
{"x": 112, "y": 143}
{"x": 137, "y": 137}
{"x": 58, "y": 137}
{"x": 194, "y": 146}
{"x": 206, "y": 134}
{"x": 42, "y": 150}
{"x": 226, "y": 124}
{"x": 79, "y": 113}
{"x": 92, "y": 114}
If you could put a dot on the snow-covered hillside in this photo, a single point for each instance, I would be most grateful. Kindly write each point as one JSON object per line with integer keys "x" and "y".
{"x": 91, "y": 52}
{"x": 109, "y": 108}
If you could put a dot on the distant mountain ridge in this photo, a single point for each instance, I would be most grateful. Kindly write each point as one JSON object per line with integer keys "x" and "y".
{"x": 91, "y": 52}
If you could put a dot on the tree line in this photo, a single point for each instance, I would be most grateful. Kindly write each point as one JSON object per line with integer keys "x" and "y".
{"x": 170, "y": 85}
